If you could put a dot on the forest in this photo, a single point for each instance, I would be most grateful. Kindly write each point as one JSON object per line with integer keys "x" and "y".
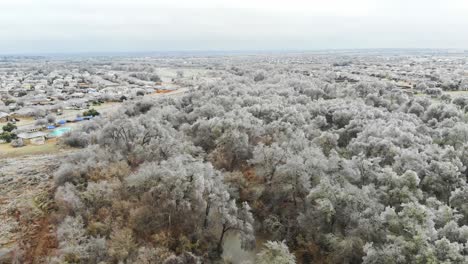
{"x": 302, "y": 164}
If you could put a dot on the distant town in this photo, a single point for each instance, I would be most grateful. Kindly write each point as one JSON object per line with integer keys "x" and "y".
{"x": 39, "y": 95}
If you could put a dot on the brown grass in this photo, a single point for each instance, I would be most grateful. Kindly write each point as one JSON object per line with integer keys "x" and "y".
{"x": 164, "y": 91}
{"x": 7, "y": 151}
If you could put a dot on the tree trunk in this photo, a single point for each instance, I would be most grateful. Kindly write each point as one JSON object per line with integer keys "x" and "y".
{"x": 207, "y": 212}
{"x": 220, "y": 242}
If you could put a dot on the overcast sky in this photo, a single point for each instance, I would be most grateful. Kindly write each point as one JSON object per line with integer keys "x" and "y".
{"x": 58, "y": 26}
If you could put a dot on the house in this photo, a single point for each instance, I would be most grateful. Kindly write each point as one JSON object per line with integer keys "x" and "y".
{"x": 404, "y": 85}
{"x": 41, "y": 101}
{"x": 83, "y": 85}
{"x": 34, "y": 138}
{"x": 28, "y": 129}
{"x": 77, "y": 95}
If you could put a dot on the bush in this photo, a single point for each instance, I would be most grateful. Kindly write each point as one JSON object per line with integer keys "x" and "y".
{"x": 50, "y": 119}
{"x": 275, "y": 253}
{"x": 9, "y": 101}
{"x": 66, "y": 173}
{"x": 91, "y": 112}
{"x": 9, "y": 127}
{"x": 76, "y": 140}
{"x": 67, "y": 199}
{"x": 41, "y": 122}
{"x": 260, "y": 76}
{"x": 17, "y": 143}
{"x": 7, "y": 136}
{"x": 155, "y": 78}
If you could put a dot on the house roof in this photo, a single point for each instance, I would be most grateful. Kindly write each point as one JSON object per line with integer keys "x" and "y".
{"x": 32, "y": 135}
{"x": 28, "y": 129}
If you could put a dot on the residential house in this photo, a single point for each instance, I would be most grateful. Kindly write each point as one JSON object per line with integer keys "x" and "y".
{"x": 34, "y": 138}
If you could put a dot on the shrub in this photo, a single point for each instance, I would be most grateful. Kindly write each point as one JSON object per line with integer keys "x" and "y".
{"x": 275, "y": 253}
{"x": 17, "y": 143}
{"x": 91, "y": 112}
{"x": 66, "y": 173}
{"x": 9, "y": 127}
{"x": 76, "y": 140}
{"x": 260, "y": 76}
{"x": 67, "y": 199}
{"x": 41, "y": 122}
{"x": 50, "y": 119}
{"x": 7, "y": 136}
{"x": 122, "y": 244}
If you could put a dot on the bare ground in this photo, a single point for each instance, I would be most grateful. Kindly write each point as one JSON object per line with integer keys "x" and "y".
{"x": 26, "y": 188}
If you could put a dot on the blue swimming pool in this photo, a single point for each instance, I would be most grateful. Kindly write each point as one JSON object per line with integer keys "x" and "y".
{"x": 58, "y": 132}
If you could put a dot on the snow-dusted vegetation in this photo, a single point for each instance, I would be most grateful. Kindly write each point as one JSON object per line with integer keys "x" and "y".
{"x": 307, "y": 159}
{"x": 330, "y": 159}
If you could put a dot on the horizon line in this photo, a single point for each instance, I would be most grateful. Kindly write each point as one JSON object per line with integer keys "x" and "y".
{"x": 221, "y": 52}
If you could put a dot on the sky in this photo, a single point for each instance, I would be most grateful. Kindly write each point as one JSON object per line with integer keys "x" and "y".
{"x": 74, "y": 26}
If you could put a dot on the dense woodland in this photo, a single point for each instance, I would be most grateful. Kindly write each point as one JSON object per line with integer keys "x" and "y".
{"x": 304, "y": 169}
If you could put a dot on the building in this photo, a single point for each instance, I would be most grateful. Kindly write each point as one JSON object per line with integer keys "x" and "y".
{"x": 28, "y": 129}
{"x": 41, "y": 101}
{"x": 404, "y": 85}
{"x": 34, "y": 138}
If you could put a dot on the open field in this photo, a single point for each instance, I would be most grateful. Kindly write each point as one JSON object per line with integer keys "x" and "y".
{"x": 50, "y": 147}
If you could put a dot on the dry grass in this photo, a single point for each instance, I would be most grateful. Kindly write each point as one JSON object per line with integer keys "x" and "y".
{"x": 456, "y": 93}
{"x": 23, "y": 122}
{"x": 164, "y": 91}
{"x": 7, "y": 151}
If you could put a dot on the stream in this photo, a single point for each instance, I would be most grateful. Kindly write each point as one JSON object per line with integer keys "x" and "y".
{"x": 233, "y": 253}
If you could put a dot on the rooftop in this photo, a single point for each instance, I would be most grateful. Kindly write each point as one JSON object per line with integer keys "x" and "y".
{"x": 32, "y": 135}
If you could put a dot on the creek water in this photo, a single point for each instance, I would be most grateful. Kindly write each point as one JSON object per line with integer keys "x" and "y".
{"x": 233, "y": 253}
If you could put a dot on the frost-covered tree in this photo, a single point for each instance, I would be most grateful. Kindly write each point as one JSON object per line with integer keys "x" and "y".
{"x": 275, "y": 253}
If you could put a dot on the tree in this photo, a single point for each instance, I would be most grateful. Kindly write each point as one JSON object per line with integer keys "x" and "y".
{"x": 232, "y": 150}
{"x": 122, "y": 244}
{"x": 67, "y": 198}
{"x": 50, "y": 119}
{"x": 7, "y": 136}
{"x": 441, "y": 179}
{"x": 259, "y": 76}
{"x": 91, "y": 112}
{"x": 238, "y": 221}
{"x": 41, "y": 122}
{"x": 154, "y": 78}
{"x": 338, "y": 166}
{"x": 9, "y": 127}
{"x": 275, "y": 253}
{"x": 72, "y": 239}
{"x": 188, "y": 195}
{"x": 267, "y": 159}
{"x": 76, "y": 139}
